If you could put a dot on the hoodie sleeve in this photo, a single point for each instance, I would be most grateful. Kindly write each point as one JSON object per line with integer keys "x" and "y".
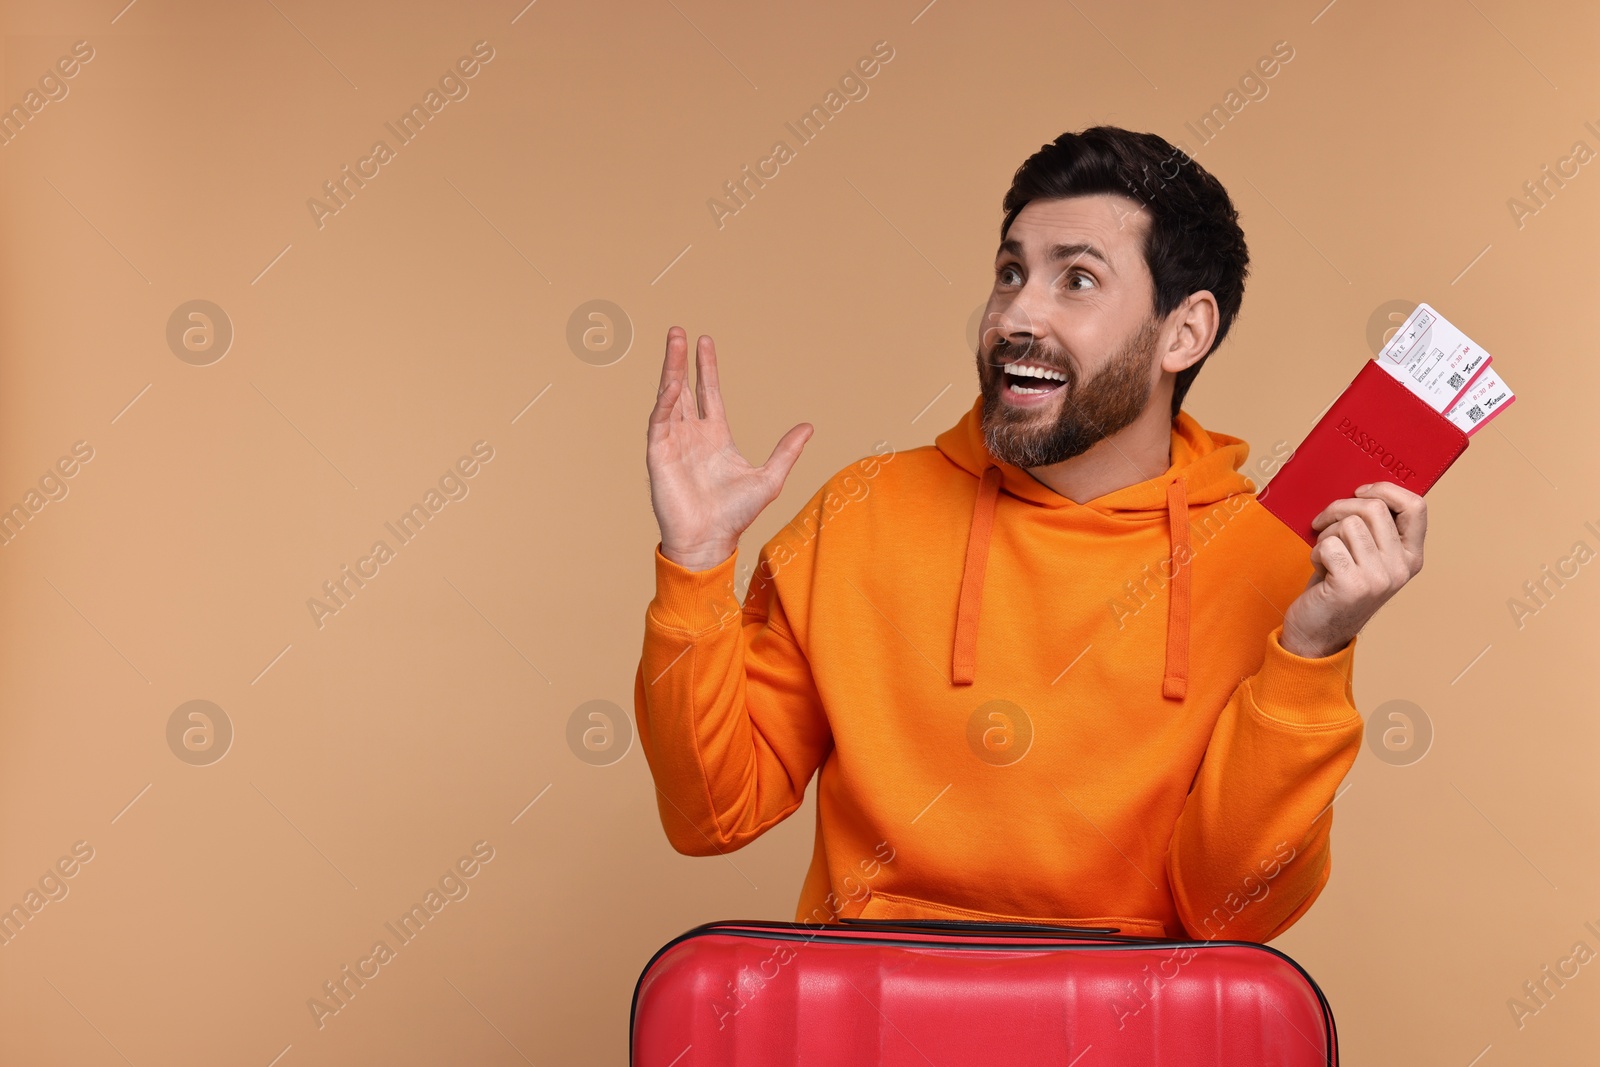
{"x": 1251, "y": 849}
{"x": 729, "y": 717}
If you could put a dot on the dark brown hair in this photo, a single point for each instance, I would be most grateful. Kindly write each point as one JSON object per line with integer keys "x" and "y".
{"x": 1193, "y": 240}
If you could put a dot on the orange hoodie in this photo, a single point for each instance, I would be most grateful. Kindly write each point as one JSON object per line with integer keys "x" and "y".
{"x": 1021, "y": 707}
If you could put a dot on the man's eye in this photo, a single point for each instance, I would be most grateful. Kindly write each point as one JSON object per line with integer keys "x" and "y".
{"x": 1077, "y": 276}
{"x": 1009, "y": 275}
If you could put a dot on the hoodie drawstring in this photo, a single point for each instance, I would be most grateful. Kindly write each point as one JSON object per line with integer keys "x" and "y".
{"x": 965, "y": 658}
{"x": 1174, "y": 682}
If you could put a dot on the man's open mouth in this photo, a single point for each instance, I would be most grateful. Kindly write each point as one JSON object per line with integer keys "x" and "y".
{"x": 1029, "y": 380}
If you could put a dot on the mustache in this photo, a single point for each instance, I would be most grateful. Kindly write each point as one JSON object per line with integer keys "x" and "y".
{"x": 1002, "y": 352}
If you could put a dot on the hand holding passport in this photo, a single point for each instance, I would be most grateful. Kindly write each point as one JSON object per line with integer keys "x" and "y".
{"x": 1404, "y": 419}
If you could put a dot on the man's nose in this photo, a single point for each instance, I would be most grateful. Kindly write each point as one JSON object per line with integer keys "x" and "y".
{"x": 1012, "y": 322}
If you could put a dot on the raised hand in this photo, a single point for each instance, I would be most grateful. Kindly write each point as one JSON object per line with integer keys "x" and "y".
{"x": 704, "y": 493}
{"x": 1370, "y": 545}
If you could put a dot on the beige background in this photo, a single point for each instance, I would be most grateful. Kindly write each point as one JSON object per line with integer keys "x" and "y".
{"x": 370, "y": 353}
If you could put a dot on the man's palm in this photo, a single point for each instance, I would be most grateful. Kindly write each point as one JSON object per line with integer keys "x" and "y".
{"x": 705, "y": 494}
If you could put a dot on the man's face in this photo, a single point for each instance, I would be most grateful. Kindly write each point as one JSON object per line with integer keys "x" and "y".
{"x": 1073, "y": 298}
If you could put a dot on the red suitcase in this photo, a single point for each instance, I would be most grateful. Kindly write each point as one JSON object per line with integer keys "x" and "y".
{"x": 915, "y": 993}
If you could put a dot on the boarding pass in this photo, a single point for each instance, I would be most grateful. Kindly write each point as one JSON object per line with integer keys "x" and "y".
{"x": 1433, "y": 359}
{"x": 1482, "y": 401}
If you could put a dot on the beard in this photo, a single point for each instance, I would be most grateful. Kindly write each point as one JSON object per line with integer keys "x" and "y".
{"x": 1086, "y": 414}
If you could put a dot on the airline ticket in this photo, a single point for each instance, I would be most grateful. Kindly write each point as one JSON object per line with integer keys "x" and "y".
{"x": 1433, "y": 359}
{"x": 1483, "y": 400}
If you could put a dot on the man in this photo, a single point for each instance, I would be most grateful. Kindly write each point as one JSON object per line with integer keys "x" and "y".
{"x": 1060, "y": 666}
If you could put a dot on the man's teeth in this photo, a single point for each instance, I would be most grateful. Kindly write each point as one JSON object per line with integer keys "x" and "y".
{"x": 1019, "y": 371}
{"x": 1035, "y": 372}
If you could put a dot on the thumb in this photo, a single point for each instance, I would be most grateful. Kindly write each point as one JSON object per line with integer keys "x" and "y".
{"x": 786, "y": 452}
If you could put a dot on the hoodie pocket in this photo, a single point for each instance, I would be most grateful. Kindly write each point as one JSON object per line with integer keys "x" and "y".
{"x": 893, "y": 906}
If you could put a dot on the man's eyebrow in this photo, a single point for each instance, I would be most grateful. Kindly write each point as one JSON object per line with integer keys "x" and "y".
{"x": 1060, "y": 251}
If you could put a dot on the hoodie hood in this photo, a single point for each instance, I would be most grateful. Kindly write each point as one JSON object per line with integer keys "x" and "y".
{"x": 1204, "y": 470}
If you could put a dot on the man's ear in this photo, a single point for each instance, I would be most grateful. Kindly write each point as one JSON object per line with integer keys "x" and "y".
{"x": 1192, "y": 327}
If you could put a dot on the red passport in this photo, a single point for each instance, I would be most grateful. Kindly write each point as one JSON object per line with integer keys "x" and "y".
{"x": 1377, "y": 431}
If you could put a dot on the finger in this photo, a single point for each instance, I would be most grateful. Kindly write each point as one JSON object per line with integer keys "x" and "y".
{"x": 1331, "y": 514}
{"x": 707, "y": 386}
{"x": 1338, "y": 531}
{"x": 1336, "y": 510}
{"x": 1356, "y": 537}
{"x": 786, "y": 452}
{"x": 676, "y": 362}
{"x": 1379, "y": 523}
{"x": 1318, "y": 571}
{"x": 1373, "y": 510}
{"x": 675, "y": 369}
{"x": 684, "y": 408}
{"x": 1334, "y": 556}
{"x": 1410, "y": 512}
{"x": 1348, "y": 552}
{"x": 666, "y": 402}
